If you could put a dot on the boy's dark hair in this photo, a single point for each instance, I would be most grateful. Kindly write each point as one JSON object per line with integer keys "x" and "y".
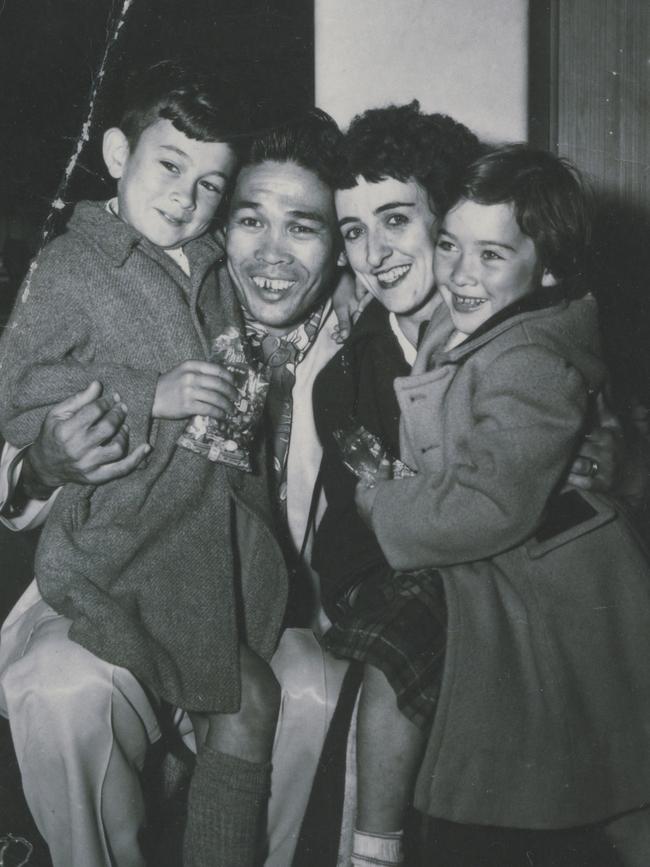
{"x": 310, "y": 140}
{"x": 551, "y": 201}
{"x": 193, "y": 101}
{"x": 401, "y": 142}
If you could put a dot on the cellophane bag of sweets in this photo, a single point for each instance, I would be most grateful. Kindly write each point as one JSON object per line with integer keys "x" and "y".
{"x": 362, "y": 454}
{"x": 228, "y": 440}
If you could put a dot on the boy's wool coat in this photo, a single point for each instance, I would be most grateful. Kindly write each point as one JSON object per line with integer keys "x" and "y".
{"x": 544, "y": 714}
{"x": 164, "y": 571}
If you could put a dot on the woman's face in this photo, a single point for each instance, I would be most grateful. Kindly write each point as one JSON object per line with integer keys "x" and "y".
{"x": 389, "y": 232}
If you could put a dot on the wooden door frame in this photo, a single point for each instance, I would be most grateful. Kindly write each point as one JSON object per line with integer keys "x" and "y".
{"x": 543, "y": 34}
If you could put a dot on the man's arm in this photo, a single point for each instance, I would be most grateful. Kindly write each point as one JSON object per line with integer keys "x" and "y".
{"x": 350, "y": 298}
{"x": 18, "y": 510}
{"x": 602, "y": 454}
{"x": 84, "y": 439}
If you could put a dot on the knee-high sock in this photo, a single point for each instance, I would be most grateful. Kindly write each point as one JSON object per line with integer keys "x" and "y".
{"x": 226, "y": 801}
{"x": 377, "y": 849}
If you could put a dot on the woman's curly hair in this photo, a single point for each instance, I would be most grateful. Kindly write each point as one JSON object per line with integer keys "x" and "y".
{"x": 401, "y": 142}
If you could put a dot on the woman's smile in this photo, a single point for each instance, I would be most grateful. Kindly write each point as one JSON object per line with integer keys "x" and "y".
{"x": 388, "y": 279}
{"x": 389, "y": 231}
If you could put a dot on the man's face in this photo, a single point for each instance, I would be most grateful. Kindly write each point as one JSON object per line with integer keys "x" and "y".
{"x": 280, "y": 243}
{"x": 169, "y": 186}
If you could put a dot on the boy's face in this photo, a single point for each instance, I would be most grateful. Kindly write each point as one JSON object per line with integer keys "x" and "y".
{"x": 484, "y": 262}
{"x": 280, "y": 242}
{"x": 169, "y": 186}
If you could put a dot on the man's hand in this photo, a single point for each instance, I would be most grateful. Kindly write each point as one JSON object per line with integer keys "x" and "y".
{"x": 350, "y": 299}
{"x": 195, "y": 388}
{"x": 83, "y": 439}
{"x": 602, "y": 454}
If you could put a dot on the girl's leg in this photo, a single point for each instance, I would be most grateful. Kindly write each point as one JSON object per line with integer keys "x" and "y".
{"x": 230, "y": 786}
{"x": 389, "y": 752}
{"x": 630, "y": 837}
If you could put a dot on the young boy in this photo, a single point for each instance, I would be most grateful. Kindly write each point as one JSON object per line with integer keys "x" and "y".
{"x": 542, "y": 715}
{"x": 172, "y": 572}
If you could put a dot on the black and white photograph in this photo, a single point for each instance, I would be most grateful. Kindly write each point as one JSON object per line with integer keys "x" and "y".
{"x": 324, "y": 433}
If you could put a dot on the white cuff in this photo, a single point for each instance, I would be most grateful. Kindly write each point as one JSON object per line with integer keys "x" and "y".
{"x": 35, "y": 511}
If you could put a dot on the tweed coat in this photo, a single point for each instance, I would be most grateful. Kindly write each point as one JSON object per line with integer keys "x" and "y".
{"x": 166, "y": 571}
{"x": 544, "y": 713}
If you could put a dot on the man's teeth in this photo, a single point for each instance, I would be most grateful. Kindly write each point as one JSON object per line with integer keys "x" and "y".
{"x": 272, "y": 285}
{"x": 467, "y": 302}
{"x": 388, "y": 277}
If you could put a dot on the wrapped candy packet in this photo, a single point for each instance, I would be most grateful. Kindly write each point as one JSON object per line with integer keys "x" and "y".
{"x": 228, "y": 440}
{"x": 16, "y": 850}
{"x": 363, "y": 453}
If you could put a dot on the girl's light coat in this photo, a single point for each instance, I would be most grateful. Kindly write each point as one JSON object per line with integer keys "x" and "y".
{"x": 544, "y": 715}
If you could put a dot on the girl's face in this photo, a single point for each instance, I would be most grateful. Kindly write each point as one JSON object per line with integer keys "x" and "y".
{"x": 484, "y": 262}
{"x": 389, "y": 232}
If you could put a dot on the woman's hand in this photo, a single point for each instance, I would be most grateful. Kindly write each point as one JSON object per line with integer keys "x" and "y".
{"x": 365, "y": 492}
{"x": 350, "y": 299}
{"x": 195, "y": 388}
{"x": 601, "y": 457}
{"x": 364, "y": 497}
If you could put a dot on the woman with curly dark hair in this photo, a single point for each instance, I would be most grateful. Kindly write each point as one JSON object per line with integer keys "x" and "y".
{"x": 399, "y": 173}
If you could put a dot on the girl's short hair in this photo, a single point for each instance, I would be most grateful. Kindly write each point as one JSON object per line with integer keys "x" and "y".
{"x": 551, "y": 201}
{"x": 401, "y": 142}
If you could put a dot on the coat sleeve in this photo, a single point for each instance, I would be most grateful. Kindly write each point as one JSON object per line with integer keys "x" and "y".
{"x": 47, "y": 351}
{"x": 528, "y": 412}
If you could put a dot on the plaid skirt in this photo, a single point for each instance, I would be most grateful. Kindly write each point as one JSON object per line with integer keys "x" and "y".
{"x": 397, "y": 622}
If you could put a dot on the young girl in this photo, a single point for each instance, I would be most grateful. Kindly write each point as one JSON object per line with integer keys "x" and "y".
{"x": 542, "y": 719}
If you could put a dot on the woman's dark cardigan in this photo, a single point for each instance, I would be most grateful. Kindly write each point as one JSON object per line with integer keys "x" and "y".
{"x": 356, "y": 386}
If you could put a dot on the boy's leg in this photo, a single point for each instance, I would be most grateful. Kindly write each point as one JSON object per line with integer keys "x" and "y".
{"x": 389, "y": 748}
{"x": 80, "y": 728}
{"x": 231, "y": 781}
{"x": 311, "y": 681}
{"x": 630, "y": 837}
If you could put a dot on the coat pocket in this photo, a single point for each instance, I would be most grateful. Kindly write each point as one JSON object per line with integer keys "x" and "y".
{"x": 570, "y": 514}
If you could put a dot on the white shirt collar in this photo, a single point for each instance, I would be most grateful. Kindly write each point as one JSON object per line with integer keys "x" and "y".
{"x": 408, "y": 350}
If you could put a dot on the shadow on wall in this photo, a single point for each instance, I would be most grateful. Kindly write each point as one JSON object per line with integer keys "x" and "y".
{"x": 619, "y": 274}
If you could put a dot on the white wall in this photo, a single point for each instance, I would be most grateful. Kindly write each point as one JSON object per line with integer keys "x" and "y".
{"x": 466, "y": 58}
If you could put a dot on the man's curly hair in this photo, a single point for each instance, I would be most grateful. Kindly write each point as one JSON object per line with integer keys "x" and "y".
{"x": 401, "y": 142}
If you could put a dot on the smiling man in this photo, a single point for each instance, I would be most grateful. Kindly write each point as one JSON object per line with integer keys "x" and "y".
{"x": 281, "y": 246}
{"x": 280, "y": 242}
